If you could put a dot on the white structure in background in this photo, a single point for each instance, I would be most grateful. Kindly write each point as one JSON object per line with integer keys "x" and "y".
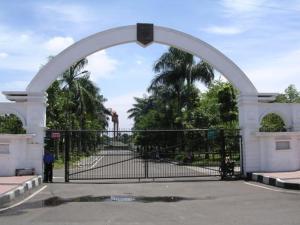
{"x": 259, "y": 151}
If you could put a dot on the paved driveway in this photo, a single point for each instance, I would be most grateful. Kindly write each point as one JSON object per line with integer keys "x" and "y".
{"x": 203, "y": 202}
{"x": 128, "y": 164}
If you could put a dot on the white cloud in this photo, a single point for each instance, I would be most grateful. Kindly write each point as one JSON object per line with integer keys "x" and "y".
{"x": 245, "y": 14}
{"x": 121, "y": 104}
{"x": 22, "y": 49}
{"x": 27, "y": 51}
{"x": 243, "y": 6}
{"x": 223, "y": 30}
{"x": 3, "y": 55}
{"x": 276, "y": 74}
{"x": 67, "y": 12}
{"x": 24, "y": 37}
{"x": 101, "y": 65}
{"x": 57, "y": 44}
{"x": 139, "y": 59}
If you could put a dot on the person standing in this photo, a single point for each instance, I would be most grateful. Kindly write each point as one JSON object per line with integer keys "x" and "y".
{"x": 48, "y": 166}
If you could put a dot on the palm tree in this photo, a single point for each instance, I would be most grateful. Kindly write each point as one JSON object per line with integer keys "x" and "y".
{"x": 140, "y": 108}
{"x": 82, "y": 94}
{"x": 177, "y": 68}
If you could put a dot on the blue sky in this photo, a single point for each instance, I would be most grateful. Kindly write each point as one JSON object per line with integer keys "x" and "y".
{"x": 261, "y": 36}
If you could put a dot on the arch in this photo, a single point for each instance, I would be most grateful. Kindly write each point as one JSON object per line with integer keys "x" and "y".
{"x": 16, "y": 113}
{"x": 278, "y": 125}
{"x": 285, "y": 116}
{"x": 281, "y": 115}
{"x": 127, "y": 34}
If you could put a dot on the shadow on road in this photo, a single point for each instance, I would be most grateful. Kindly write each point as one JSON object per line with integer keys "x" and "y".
{"x": 57, "y": 201}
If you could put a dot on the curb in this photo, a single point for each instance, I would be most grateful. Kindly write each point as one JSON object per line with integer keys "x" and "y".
{"x": 277, "y": 182}
{"x": 20, "y": 190}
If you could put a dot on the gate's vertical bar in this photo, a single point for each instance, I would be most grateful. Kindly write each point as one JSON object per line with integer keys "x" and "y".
{"x": 67, "y": 156}
{"x": 146, "y": 162}
{"x": 241, "y": 156}
{"x": 207, "y": 155}
{"x": 223, "y": 154}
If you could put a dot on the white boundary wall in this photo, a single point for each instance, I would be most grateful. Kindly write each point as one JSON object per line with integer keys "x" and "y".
{"x": 17, "y": 151}
{"x": 279, "y": 151}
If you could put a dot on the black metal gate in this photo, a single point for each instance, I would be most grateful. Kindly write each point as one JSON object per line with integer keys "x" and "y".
{"x": 142, "y": 154}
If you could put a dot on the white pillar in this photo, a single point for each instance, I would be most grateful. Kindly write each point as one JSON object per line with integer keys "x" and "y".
{"x": 249, "y": 124}
{"x": 36, "y": 124}
{"x": 296, "y": 117}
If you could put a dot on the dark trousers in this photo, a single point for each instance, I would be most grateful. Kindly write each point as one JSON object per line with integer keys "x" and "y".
{"x": 48, "y": 172}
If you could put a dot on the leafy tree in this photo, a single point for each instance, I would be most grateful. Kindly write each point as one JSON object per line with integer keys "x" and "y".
{"x": 11, "y": 124}
{"x": 74, "y": 102}
{"x": 172, "y": 92}
{"x": 209, "y": 105}
{"x": 176, "y": 69}
{"x": 272, "y": 123}
{"x": 291, "y": 95}
{"x": 56, "y": 115}
{"x": 79, "y": 91}
{"x": 141, "y": 107}
{"x": 177, "y": 103}
{"x": 227, "y": 105}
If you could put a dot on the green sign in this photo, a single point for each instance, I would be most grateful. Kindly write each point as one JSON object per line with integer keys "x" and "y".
{"x": 212, "y": 134}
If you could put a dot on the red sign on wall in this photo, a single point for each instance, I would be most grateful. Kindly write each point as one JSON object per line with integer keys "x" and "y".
{"x": 55, "y": 135}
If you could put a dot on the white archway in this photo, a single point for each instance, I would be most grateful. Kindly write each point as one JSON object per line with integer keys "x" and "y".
{"x": 34, "y": 105}
{"x": 258, "y": 148}
{"x": 127, "y": 34}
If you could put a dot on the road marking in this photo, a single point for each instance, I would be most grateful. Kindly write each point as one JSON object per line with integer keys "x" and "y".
{"x": 95, "y": 163}
{"x": 272, "y": 189}
{"x": 26, "y": 199}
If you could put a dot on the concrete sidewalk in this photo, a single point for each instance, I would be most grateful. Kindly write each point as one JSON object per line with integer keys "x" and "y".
{"x": 14, "y": 187}
{"x": 288, "y": 180}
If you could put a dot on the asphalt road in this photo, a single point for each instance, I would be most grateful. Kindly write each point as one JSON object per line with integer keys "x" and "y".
{"x": 116, "y": 164}
{"x": 191, "y": 203}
